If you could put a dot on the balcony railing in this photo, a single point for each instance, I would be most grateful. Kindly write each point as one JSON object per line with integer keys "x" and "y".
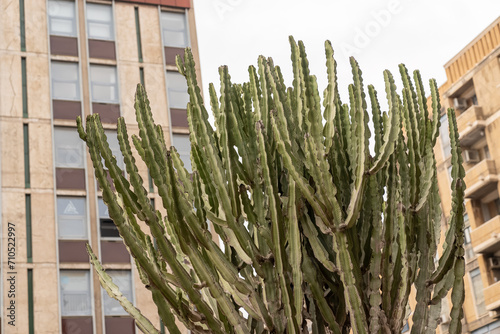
{"x": 486, "y": 238}
{"x": 471, "y": 125}
{"x": 492, "y": 296}
{"x": 481, "y": 179}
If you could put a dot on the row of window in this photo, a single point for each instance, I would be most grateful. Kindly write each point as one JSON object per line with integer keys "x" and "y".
{"x": 76, "y": 297}
{"x": 72, "y": 219}
{"x": 69, "y": 148}
{"x": 100, "y": 25}
{"x": 104, "y": 84}
{"x": 66, "y": 82}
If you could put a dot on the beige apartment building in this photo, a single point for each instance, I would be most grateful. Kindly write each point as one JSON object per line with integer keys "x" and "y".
{"x": 60, "y": 59}
{"x": 473, "y": 89}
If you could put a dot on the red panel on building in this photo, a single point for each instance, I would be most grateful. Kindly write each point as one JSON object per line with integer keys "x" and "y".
{"x": 108, "y": 113}
{"x": 64, "y": 46}
{"x": 66, "y": 109}
{"x": 170, "y": 3}
{"x": 70, "y": 178}
{"x": 102, "y": 49}
{"x": 77, "y": 325}
{"x": 119, "y": 325}
{"x": 114, "y": 252}
{"x": 73, "y": 251}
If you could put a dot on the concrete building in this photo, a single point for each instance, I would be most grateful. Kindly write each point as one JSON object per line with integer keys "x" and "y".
{"x": 60, "y": 59}
{"x": 473, "y": 89}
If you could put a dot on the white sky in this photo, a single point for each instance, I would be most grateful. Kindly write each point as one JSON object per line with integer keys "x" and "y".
{"x": 380, "y": 34}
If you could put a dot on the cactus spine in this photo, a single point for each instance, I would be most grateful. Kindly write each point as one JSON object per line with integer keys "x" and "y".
{"x": 318, "y": 234}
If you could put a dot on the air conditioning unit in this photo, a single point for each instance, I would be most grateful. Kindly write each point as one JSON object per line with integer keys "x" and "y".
{"x": 459, "y": 103}
{"x": 445, "y": 318}
{"x": 494, "y": 262}
{"x": 471, "y": 156}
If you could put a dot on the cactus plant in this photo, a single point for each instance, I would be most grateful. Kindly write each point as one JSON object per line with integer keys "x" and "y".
{"x": 318, "y": 233}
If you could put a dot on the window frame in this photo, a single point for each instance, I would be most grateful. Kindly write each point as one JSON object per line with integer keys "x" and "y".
{"x": 472, "y": 275}
{"x": 444, "y": 134}
{"x": 74, "y": 19}
{"x": 54, "y": 80}
{"x": 129, "y": 294}
{"x": 90, "y": 21}
{"x": 100, "y": 203}
{"x": 70, "y": 217}
{"x": 93, "y": 83}
{"x": 88, "y": 312}
{"x": 171, "y": 88}
{"x": 65, "y": 145}
{"x": 165, "y": 29}
{"x": 184, "y": 154}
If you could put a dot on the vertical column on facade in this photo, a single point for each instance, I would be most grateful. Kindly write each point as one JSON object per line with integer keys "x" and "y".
{"x": 91, "y": 184}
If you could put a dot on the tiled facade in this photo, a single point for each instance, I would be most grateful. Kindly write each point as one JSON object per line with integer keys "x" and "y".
{"x": 473, "y": 89}
{"x": 60, "y": 59}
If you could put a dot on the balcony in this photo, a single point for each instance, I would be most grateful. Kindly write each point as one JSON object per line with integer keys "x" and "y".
{"x": 486, "y": 238}
{"x": 492, "y": 296}
{"x": 471, "y": 125}
{"x": 481, "y": 179}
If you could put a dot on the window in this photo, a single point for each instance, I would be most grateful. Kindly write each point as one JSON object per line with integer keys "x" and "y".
{"x": 467, "y": 234}
{"x": 65, "y": 81}
{"x": 469, "y": 251}
{"x": 183, "y": 147}
{"x": 68, "y": 148}
{"x": 114, "y": 145}
{"x": 71, "y": 217}
{"x": 486, "y": 151}
{"x": 100, "y": 22}
{"x": 174, "y": 30}
{"x": 75, "y": 292}
{"x": 444, "y": 135}
{"x": 104, "y": 83}
{"x": 178, "y": 96}
{"x": 477, "y": 288}
{"x": 107, "y": 227}
{"x": 62, "y": 18}
{"x": 492, "y": 328}
{"x": 123, "y": 279}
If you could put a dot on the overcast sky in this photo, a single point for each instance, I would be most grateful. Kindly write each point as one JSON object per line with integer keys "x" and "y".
{"x": 380, "y": 34}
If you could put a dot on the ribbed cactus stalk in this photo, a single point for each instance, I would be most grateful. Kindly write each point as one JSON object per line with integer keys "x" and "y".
{"x": 319, "y": 234}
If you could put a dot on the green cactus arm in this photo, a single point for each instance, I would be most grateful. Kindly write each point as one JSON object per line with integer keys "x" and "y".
{"x": 434, "y": 315}
{"x": 298, "y": 84}
{"x": 277, "y": 235}
{"x": 436, "y": 110}
{"x": 392, "y": 131}
{"x": 457, "y": 297}
{"x": 204, "y": 135}
{"x": 319, "y": 251}
{"x": 116, "y": 213}
{"x": 348, "y": 265}
{"x": 389, "y": 233}
{"x": 295, "y": 251}
{"x": 378, "y": 127}
{"x": 302, "y": 183}
{"x": 360, "y": 135}
{"x": 413, "y": 123}
{"x": 376, "y": 246}
{"x": 424, "y": 112}
{"x": 166, "y": 315}
{"x": 311, "y": 277}
{"x": 330, "y": 100}
{"x": 114, "y": 292}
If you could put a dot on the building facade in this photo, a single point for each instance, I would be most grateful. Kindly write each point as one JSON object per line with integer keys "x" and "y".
{"x": 473, "y": 90}
{"x": 60, "y": 59}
